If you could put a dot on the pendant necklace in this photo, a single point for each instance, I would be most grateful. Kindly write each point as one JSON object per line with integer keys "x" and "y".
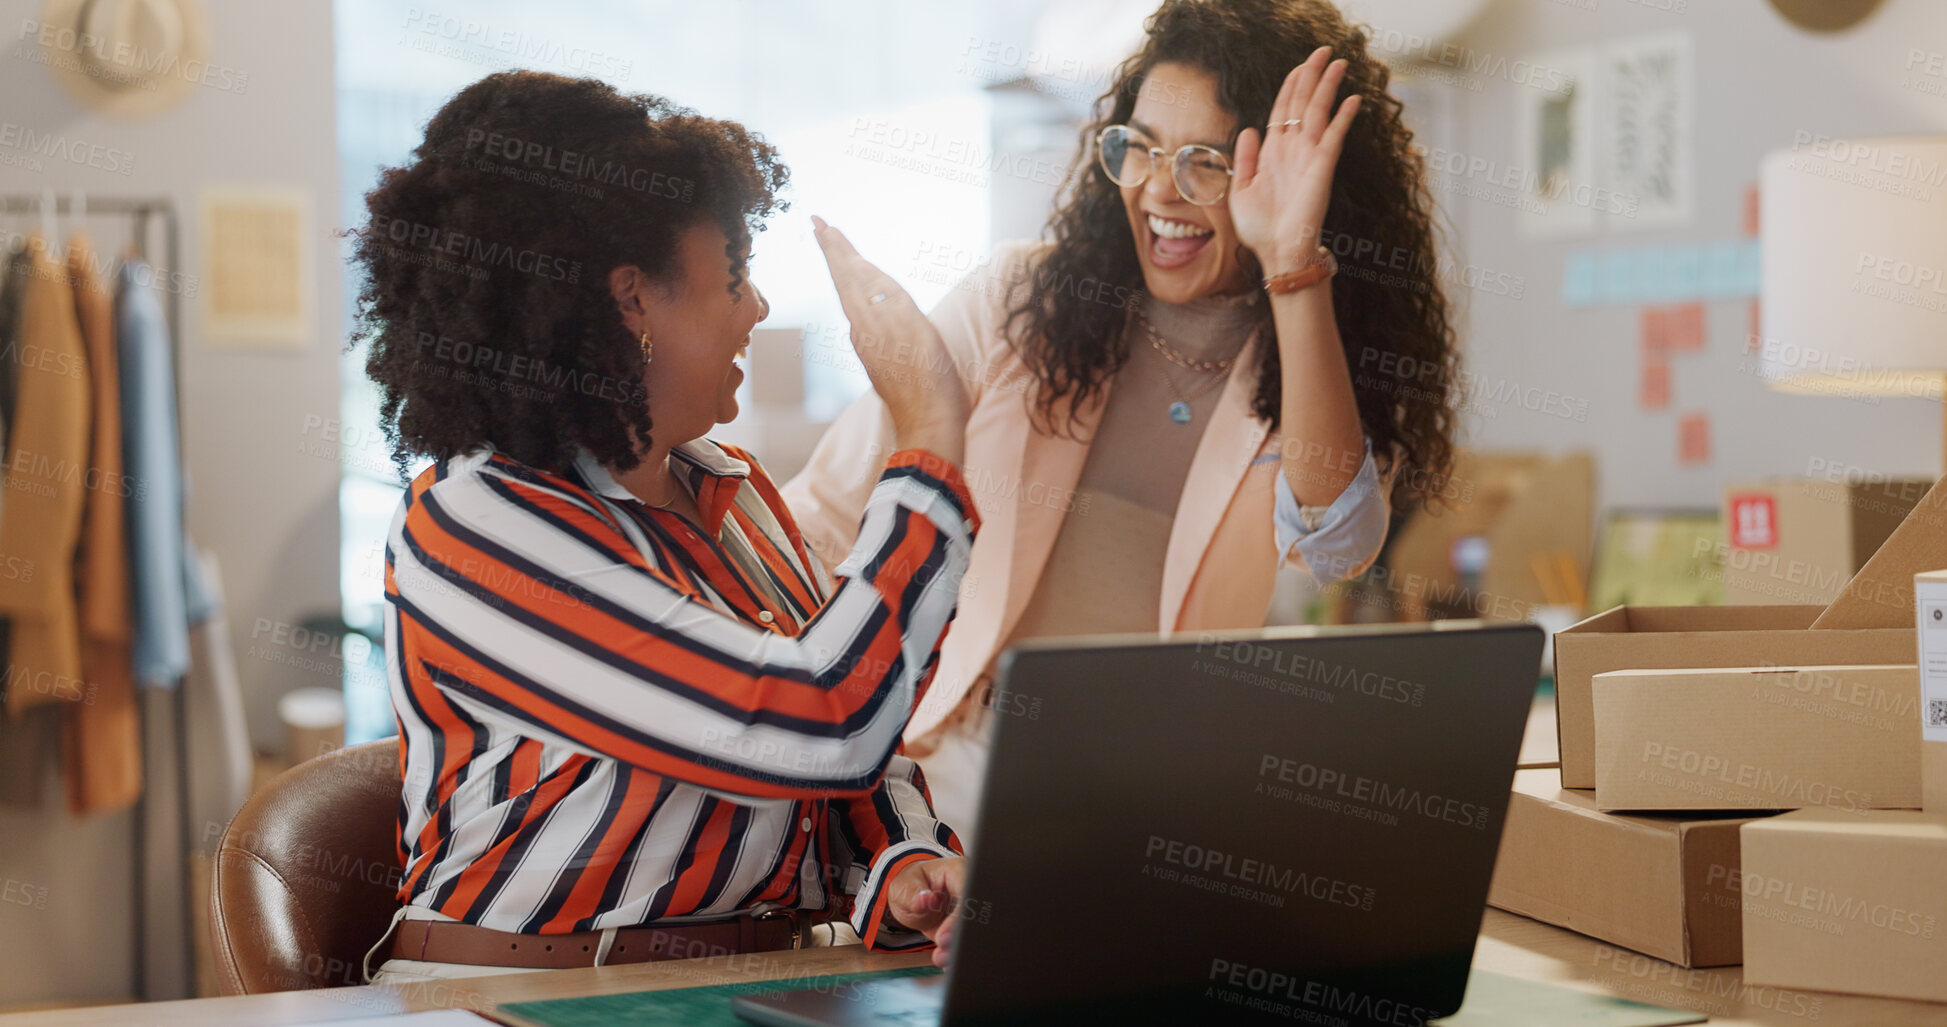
{"x": 1179, "y": 411}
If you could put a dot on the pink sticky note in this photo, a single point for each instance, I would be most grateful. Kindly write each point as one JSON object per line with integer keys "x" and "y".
{"x": 1693, "y": 439}
{"x": 1683, "y": 328}
{"x": 1654, "y": 393}
{"x": 1655, "y": 330}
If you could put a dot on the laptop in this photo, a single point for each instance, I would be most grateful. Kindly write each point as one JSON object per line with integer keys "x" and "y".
{"x": 1290, "y": 825}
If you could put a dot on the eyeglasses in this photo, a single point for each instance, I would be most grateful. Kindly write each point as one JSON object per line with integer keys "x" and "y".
{"x": 1201, "y": 173}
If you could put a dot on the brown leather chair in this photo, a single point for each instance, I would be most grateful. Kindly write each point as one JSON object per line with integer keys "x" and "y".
{"x": 307, "y": 874}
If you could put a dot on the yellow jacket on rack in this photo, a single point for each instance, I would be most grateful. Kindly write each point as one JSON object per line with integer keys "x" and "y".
{"x": 102, "y": 741}
{"x": 45, "y": 478}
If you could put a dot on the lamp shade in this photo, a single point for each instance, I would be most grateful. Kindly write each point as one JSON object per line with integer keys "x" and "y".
{"x": 1854, "y": 246}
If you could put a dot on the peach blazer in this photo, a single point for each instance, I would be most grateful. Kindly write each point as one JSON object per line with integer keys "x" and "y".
{"x": 1222, "y": 559}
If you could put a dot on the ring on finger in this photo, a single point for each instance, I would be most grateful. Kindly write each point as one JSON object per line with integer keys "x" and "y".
{"x": 1291, "y": 122}
{"x": 877, "y": 297}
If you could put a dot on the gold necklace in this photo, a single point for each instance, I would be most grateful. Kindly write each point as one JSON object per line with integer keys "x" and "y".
{"x": 676, "y": 491}
{"x": 1169, "y": 352}
{"x": 1179, "y": 411}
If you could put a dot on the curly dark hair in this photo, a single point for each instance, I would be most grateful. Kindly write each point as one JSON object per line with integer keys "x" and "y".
{"x": 1380, "y": 213}
{"x": 487, "y": 258}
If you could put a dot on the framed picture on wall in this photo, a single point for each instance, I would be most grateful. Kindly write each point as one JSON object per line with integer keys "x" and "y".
{"x": 1555, "y": 139}
{"x": 1647, "y": 120}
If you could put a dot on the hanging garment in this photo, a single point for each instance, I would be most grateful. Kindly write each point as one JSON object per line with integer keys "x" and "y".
{"x": 220, "y": 759}
{"x": 13, "y": 281}
{"x": 45, "y": 472}
{"x": 102, "y": 740}
{"x": 151, "y": 455}
{"x": 19, "y": 264}
{"x": 26, "y": 743}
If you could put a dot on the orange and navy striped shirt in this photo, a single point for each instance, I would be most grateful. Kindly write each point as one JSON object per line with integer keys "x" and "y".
{"x": 609, "y": 718}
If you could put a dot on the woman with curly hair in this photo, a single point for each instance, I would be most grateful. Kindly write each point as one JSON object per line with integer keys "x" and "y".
{"x": 1205, "y": 398}
{"x": 637, "y": 719}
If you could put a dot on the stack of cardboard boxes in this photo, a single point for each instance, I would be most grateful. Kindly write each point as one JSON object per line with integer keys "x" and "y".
{"x": 1684, "y": 732}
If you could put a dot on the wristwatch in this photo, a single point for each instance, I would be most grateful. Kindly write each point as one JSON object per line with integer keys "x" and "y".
{"x": 1322, "y": 266}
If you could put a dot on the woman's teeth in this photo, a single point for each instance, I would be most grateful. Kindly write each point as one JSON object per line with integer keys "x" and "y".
{"x": 1176, "y": 229}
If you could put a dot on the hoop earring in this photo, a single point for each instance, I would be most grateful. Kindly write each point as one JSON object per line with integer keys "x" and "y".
{"x": 648, "y": 349}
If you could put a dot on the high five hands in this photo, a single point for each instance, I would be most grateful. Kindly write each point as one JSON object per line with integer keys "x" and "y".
{"x": 1283, "y": 180}
{"x": 902, "y": 351}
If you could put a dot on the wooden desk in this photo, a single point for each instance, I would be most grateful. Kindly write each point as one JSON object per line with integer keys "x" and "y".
{"x": 1509, "y": 944}
{"x": 1520, "y": 947}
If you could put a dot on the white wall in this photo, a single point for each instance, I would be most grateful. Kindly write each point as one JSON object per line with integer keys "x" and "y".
{"x": 1758, "y": 81}
{"x": 268, "y": 510}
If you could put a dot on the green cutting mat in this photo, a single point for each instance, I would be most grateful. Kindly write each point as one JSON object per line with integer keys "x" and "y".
{"x": 1496, "y": 1000}
{"x": 1493, "y": 1000}
{"x": 686, "y": 1007}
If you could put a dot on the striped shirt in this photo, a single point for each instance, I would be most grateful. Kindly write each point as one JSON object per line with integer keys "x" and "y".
{"x": 609, "y": 718}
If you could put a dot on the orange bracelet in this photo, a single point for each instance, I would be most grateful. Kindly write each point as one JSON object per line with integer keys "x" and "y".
{"x": 1317, "y": 270}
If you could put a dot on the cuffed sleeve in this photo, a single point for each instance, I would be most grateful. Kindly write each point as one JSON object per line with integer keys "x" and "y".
{"x": 1339, "y": 540}
{"x": 883, "y": 834}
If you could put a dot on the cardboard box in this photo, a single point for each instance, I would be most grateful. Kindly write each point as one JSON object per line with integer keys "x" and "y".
{"x": 1758, "y": 738}
{"x": 1515, "y": 506}
{"x": 1880, "y": 595}
{"x": 1930, "y": 601}
{"x": 1659, "y": 884}
{"x": 1670, "y": 637}
{"x": 1538, "y": 740}
{"x": 1799, "y": 540}
{"x": 1933, "y": 776}
{"x": 1847, "y": 902}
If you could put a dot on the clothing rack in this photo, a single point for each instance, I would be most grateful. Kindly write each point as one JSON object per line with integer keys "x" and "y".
{"x": 146, "y": 211}
{"x": 142, "y": 209}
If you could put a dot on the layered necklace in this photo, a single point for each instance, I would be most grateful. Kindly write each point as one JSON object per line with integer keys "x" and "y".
{"x": 1179, "y": 410}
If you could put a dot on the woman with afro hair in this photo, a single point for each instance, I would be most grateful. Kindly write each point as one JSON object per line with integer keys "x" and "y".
{"x": 638, "y": 719}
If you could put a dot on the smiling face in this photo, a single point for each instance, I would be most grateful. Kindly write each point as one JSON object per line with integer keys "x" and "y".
{"x": 697, "y": 329}
{"x": 1187, "y": 251}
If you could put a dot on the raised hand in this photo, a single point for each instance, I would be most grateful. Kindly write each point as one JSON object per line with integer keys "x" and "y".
{"x": 1283, "y": 180}
{"x": 902, "y": 352}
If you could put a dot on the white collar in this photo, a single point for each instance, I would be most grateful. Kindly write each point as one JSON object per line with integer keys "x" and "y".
{"x": 701, "y": 453}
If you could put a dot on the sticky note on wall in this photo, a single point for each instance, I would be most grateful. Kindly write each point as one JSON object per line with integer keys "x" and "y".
{"x": 1693, "y": 439}
{"x": 1654, "y": 393}
{"x": 1683, "y": 328}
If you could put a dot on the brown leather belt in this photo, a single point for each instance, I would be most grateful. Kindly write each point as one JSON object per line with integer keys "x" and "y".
{"x": 441, "y": 941}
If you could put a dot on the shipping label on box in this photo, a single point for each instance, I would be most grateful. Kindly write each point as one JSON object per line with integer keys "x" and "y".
{"x": 1754, "y": 520}
{"x": 1758, "y": 738}
{"x": 1847, "y": 902}
{"x": 1930, "y": 603}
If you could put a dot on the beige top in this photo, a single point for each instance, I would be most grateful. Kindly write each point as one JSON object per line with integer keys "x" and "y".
{"x": 1105, "y": 573}
{"x": 1237, "y": 525}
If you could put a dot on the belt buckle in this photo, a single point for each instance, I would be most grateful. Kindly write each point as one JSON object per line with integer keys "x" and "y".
{"x": 797, "y": 922}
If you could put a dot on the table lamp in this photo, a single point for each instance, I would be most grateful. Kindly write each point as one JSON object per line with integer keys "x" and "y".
{"x": 1854, "y": 249}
